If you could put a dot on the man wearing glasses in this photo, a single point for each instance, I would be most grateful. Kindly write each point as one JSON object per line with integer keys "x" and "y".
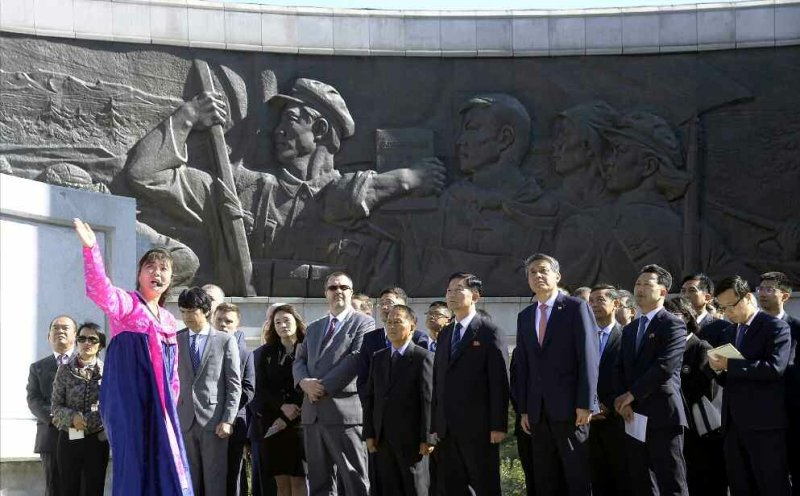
{"x": 773, "y": 292}
{"x": 436, "y": 318}
{"x": 325, "y": 368}
{"x": 699, "y": 290}
{"x": 754, "y": 420}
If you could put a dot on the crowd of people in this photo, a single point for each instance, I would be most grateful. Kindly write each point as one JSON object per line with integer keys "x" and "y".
{"x": 615, "y": 392}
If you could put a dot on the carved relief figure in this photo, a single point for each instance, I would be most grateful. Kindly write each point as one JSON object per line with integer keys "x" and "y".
{"x": 303, "y": 223}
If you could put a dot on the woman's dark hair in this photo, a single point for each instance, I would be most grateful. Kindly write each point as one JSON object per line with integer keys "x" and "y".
{"x": 272, "y": 337}
{"x": 681, "y": 306}
{"x": 156, "y": 255}
{"x": 101, "y": 336}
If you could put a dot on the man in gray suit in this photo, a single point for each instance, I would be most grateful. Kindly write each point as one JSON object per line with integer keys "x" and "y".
{"x": 325, "y": 368}
{"x": 208, "y": 367}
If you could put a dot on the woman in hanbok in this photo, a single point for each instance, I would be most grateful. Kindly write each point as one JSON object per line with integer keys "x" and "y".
{"x": 140, "y": 379}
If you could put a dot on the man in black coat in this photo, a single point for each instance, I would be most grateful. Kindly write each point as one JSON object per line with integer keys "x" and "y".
{"x": 648, "y": 383}
{"x": 470, "y": 395}
{"x": 556, "y": 387}
{"x": 61, "y": 335}
{"x": 607, "y": 435}
{"x": 397, "y": 408}
{"x": 754, "y": 419}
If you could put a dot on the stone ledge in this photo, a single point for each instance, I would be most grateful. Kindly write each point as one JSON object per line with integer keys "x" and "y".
{"x": 412, "y": 33}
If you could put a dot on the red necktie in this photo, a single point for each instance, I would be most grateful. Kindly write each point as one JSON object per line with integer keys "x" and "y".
{"x": 542, "y": 322}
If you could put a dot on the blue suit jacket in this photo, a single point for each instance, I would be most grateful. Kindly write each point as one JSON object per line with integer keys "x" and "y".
{"x": 375, "y": 341}
{"x": 753, "y": 397}
{"x": 653, "y": 374}
{"x": 561, "y": 374}
{"x": 792, "y": 375}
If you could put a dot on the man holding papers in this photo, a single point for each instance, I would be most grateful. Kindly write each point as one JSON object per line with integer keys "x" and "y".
{"x": 753, "y": 415}
{"x": 648, "y": 378}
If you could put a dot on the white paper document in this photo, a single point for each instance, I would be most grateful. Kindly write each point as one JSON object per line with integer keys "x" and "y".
{"x": 636, "y": 427}
{"x": 75, "y": 434}
{"x": 729, "y": 351}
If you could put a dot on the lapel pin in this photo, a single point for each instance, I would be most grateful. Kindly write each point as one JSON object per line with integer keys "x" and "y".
{"x": 652, "y": 335}
{"x": 476, "y": 343}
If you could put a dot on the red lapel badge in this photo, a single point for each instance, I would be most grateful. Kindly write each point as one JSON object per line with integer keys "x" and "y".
{"x": 476, "y": 343}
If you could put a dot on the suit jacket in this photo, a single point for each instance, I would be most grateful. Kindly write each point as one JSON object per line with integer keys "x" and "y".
{"x": 712, "y": 331}
{"x": 375, "y": 341}
{"x": 398, "y": 402}
{"x": 561, "y": 374}
{"x": 212, "y": 394}
{"x": 792, "y": 374}
{"x": 652, "y": 374}
{"x": 470, "y": 383}
{"x": 336, "y": 366}
{"x": 753, "y": 397}
{"x": 248, "y": 376}
{"x": 274, "y": 387}
{"x": 606, "y": 393}
{"x": 40, "y": 390}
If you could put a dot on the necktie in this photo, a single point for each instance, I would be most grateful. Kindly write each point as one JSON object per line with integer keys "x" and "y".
{"x": 329, "y": 332}
{"x": 393, "y": 367}
{"x": 456, "y": 338}
{"x": 62, "y": 359}
{"x": 195, "y": 354}
{"x": 740, "y": 332}
{"x": 602, "y": 335}
{"x": 542, "y": 322}
{"x": 640, "y": 332}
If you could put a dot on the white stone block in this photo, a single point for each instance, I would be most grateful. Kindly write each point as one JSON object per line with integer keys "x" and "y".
{"x": 386, "y": 35}
{"x": 640, "y": 33}
{"x": 54, "y": 18}
{"x": 531, "y": 36}
{"x": 92, "y": 19}
{"x": 315, "y": 34}
{"x": 494, "y": 36}
{"x": 755, "y": 27}
{"x": 351, "y": 35}
{"x": 458, "y": 36}
{"x": 677, "y": 31}
{"x": 18, "y": 16}
{"x": 242, "y": 30}
{"x": 567, "y": 36}
{"x": 130, "y": 21}
{"x": 279, "y": 32}
{"x": 206, "y": 24}
{"x": 716, "y": 29}
{"x": 603, "y": 35}
{"x": 169, "y": 25}
{"x": 787, "y": 24}
{"x": 422, "y": 34}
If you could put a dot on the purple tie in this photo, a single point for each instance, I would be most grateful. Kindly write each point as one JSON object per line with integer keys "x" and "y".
{"x": 62, "y": 359}
{"x": 329, "y": 332}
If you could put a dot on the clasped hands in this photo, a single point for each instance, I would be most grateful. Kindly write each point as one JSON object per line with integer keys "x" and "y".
{"x": 623, "y": 406}
{"x": 718, "y": 363}
{"x": 424, "y": 448}
{"x": 582, "y": 417}
{"x": 313, "y": 388}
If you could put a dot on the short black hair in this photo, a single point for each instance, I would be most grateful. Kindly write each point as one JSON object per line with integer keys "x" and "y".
{"x": 625, "y": 298}
{"x": 703, "y": 281}
{"x": 439, "y": 304}
{"x": 395, "y": 290}
{"x": 663, "y": 277}
{"x": 536, "y": 257}
{"x": 101, "y": 336}
{"x": 680, "y": 305}
{"x": 781, "y": 282}
{"x": 470, "y": 280}
{"x": 337, "y": 274}
{"x": 62, "y": 316}
{"x": 408, "y": 310}
{"x": 736, "y": 283}
{"x": 613, "y": 292}
{"x": 195, "y": 298}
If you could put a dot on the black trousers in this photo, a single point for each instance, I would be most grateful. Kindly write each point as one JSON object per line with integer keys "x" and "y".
{"x": 374, "y": 476}
{"x": 757, "y": 462}
{"x": 525, "y": 450}
{"x": 237, "y": 473}
{"x": 400, "y": 475}
{"x": 657, "y": 466}
{"x": 82, "y": 460}
{"x": 793, "y": 444}
{"x": 705, "y": 464}
{"x": 607, "y": 458}
{"x": 50, "y": 468}
{"x": 465, "y": 463}
{"x": 560, "y": 457}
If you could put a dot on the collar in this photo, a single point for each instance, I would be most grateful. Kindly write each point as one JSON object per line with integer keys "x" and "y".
{"x": 550, "y": 302}
{"x": 750, "y": 321}
{"x": 402, "y": 349}
{"x": 292, "y": 184}
{"x": 607, "y": 329}
{"x": 465, "y": 322}
{"x": 700, "y": 317}
{"x": 69, "y": 353}
{"x": 652, "y": 313}
{"x": 341, "y": 316}
{"x": 781, "y": 315}
{"x": 203, "y": 332}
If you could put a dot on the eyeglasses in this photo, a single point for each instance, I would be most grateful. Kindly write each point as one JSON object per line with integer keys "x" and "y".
{"x": 335, "y": 287}
{"x": 767, "y": 290}
{"x": 725, "y": 308}
{"x": 90, "y": 339}
{"x": 690, "y": 290}
{"x": 437, "y": 315}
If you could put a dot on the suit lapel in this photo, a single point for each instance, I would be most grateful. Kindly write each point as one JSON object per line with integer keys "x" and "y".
{"x": 212, "y": 336}
{"x": 649, "y": 333}
{"x": 318, "y": 344}
{"x": 469, "y": 336}
{"x": 556, "y": 314}
{"x": 613, "y": 338}
{"x": 337, "y": 338}
{"x": 402, "y": 365}
{"x": 184, "y": 359}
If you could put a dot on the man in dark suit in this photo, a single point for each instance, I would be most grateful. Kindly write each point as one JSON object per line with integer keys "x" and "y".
{"x": 325, "y": 368}
{"x": 227, "y": 318}
{"x": 648, "y": 378}
{"x": 524, "y": 446}
{"x": 211, "y": 387}
{"x": 773, "y": 292}
{"x": 753, "y": 403}
{"x": 607, "y": 435}
{"x": 698, "y": 289}
{"x": 398, "y": 407}
{"x": 61, "y": 336}
{"x": 470, "y": 395}
{"x": 557, "y": 383}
